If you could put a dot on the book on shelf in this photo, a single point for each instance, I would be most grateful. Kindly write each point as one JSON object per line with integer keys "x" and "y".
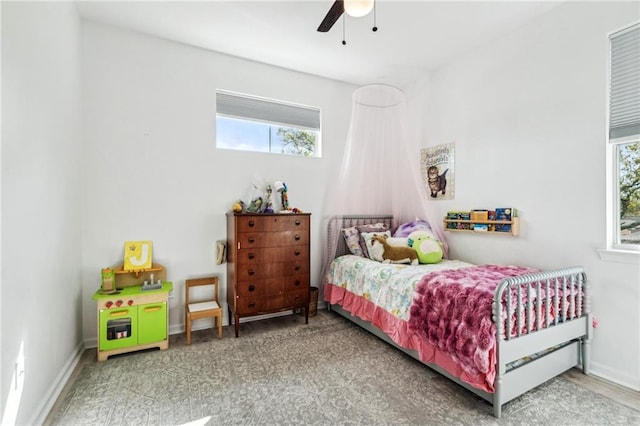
{"x": 480, "y": 215}
{"x": 458, "y": 215}
{"x": 504, "y": 214}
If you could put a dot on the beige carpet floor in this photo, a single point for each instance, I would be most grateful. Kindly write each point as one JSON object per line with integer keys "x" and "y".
{"x": 283, "y": 372}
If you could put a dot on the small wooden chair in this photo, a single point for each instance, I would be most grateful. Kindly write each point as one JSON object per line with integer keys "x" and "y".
{"x": 208, "y": 308}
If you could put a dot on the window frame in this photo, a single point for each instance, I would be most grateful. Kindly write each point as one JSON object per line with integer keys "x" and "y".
{"x": 613, "y": 150}
{"x": 616, "y": 251}
{"x": 273, "y": 113}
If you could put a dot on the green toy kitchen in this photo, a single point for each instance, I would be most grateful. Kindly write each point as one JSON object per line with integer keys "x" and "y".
{"x": 132, "y": 310}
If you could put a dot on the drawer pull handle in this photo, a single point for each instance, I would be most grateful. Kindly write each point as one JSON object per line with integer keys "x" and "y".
{"x": 252, "y": 287}
{"x": 297, "y": 268}
{"x": 297, "y": 252}
{"x": 251, "y": 256}
{"x": 297, "y": 283}
{"x": 297, "y": 221}
{"x": 118, "y": 314}
{"x": 152, "y": 309}
{"x": 252, "y": 240}
{"x": 251, "y": 224}
{"x": 297, "y": 238}
{"x": 251, "y": 272}
{"x": 251, "y": 305}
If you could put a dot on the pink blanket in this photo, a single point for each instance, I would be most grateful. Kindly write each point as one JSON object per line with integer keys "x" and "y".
{"x": 452, "y": 310}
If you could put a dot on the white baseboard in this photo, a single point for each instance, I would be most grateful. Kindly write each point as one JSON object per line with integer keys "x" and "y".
{"x": 56, "y": 388}
{"x": 614, "y": 376}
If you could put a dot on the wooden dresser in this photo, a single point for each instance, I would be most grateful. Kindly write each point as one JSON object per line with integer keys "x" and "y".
{"x": 267, "y": 264}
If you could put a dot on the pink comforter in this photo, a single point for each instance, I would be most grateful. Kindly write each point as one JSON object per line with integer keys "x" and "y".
{"x": 452, "y": 310}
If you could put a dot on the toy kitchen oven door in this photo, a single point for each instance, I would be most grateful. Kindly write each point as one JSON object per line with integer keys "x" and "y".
{"x": 118, "y": 327}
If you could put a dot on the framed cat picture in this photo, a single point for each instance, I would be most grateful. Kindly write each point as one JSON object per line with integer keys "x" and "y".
{"x": 438, "y": 171}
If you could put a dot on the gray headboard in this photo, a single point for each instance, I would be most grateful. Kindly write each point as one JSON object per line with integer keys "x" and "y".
{"x": 337, "y": 223}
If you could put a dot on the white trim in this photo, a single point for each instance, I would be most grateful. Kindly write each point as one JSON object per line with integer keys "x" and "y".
{"x": 58, "y": 385}
{"x": 613, "y": 376}
{"x": 619, "y": 256}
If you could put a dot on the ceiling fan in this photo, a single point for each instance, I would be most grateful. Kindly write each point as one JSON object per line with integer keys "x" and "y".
{"x": 355, "y": 8}
{"x": 334, "y": 13}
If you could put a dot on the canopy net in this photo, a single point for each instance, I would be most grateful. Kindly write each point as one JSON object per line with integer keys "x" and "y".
{"x": 380, "y": 171}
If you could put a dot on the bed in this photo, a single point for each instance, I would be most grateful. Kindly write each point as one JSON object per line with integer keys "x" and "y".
{"x": 502, "y": 330}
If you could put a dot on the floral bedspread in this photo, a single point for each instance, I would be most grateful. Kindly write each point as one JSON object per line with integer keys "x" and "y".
{"x": 388, "y": 286}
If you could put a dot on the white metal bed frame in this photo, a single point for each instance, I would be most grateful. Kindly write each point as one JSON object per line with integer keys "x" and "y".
{"x": 555, "y": 344}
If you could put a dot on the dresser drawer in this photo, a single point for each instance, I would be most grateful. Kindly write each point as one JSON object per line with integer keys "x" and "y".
{"x": 270, "y": 286}
{"x": 255, "y": 305}
{"x": 272, "y": 239}
{"x": 297, "y": 298}
{"x": 272, "y": 254}
{"x": 280, "y": 302}
{"x": 249, "y": 305}
{"x": 272, "y": 270}
{"x": 272, "y": 223}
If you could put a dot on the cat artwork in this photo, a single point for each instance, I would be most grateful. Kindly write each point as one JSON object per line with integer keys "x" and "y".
{"x": 437, "y": 183}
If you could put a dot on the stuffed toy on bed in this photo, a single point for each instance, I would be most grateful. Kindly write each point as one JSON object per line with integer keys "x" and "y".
{"x": 382, "y": 251}
{"x": 407, "y": 228}
{"x": 428, "y": 247}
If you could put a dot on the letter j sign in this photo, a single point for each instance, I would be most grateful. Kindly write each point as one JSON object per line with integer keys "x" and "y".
{"x": 137, "y": 255}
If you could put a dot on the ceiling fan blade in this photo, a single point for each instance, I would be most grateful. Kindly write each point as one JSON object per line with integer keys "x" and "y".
{"x": 337, "y": 9}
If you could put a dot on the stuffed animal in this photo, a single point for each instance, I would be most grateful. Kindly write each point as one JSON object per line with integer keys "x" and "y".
{"x": 415, "y": 234}
{"x": 407, "y": 228}
{"x": 428, "y": 248}
{"x": 382, "y": 251}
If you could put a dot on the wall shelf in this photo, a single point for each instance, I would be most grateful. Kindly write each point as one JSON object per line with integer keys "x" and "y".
{"x": 514, "y": 229}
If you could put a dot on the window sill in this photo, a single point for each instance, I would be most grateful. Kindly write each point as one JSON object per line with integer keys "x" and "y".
{"x": 620, "y": 256}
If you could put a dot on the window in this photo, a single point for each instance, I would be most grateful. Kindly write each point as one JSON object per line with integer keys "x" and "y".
{"x": 627, "y": 160}
{"x": 249, "y": 123}
{"x": 624, "y": 136}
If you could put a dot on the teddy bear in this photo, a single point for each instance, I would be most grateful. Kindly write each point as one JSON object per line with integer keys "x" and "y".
{"x": 382, "y": 251}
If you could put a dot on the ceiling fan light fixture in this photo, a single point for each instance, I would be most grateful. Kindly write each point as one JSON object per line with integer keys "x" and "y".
{"x": 358, "y": 8}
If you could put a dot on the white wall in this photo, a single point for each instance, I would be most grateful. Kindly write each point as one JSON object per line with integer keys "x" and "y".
{"x": 527, "y": 113}
{"x": 151, "y": 167}
{"x": 41, "y": 303}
